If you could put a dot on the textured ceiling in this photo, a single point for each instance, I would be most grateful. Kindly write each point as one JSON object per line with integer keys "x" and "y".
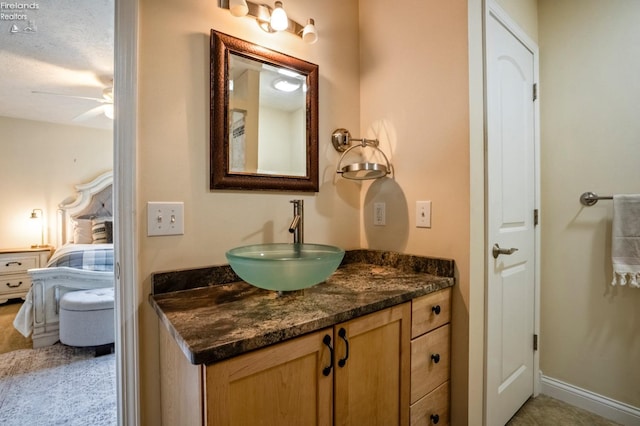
{"x": 70, "y": 53}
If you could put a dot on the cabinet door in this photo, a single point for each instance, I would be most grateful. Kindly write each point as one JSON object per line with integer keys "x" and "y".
{"x": 181, "y": 395}
{"x": 372, "y": 384}
{"x": 279, "y": 385}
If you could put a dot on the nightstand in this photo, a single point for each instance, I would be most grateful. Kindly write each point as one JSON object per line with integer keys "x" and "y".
{"x": 14, "y": 263}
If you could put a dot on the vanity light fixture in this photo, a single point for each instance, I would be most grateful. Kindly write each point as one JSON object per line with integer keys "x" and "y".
{"x": 341, "y": 139}
{"x": 238, "y": 8}
{"x": 271, "y": 19}
{"x": 40, "y": 216}
{"x": 309, "y": 33}
{"x": 279, "y": 19}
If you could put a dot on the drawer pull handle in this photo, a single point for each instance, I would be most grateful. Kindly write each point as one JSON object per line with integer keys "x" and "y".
{"x": 13, "y": 263}
{"x": 14, "y": 285}
{"x": 435, "y": 419}
{"x": 435, "y": 358}
{"x": 327, "y": 341}
{"x": 436, "y": 309}
{"x": 343, "y": 334}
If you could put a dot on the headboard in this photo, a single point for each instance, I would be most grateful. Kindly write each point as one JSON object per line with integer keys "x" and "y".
{"x": 93, "y": 198}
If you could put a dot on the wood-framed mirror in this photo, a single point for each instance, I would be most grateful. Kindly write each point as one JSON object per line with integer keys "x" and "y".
{"x": 264, "y": 118}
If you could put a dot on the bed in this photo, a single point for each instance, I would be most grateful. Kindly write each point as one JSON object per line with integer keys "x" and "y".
{"x": 83, "y": 260}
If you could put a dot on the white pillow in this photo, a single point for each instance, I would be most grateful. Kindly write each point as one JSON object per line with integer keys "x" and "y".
{"x": 82, "y": 231}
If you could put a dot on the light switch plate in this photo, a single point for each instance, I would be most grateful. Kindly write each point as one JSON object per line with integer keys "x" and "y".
{"x": 423, "y": 214}
{"x": 165, "y": 218}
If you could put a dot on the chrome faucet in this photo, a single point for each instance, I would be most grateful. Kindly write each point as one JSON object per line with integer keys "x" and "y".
{"x": 297, "y": 225}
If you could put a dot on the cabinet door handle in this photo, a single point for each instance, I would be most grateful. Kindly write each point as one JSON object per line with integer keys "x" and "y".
{"x": 327, "y": 341}
{"x": 14, "y": 285}
{"x": 435, "y": 358}
{"x": 436, "y": 309}
{"x": 13, "y": 263}
{"x": 343, "y": 334}
{"x": 435, "y": 419}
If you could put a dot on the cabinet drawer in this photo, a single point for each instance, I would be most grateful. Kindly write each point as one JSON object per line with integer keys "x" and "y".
{"x": 17, "y": 263}
{"x": 433, "y": 408}
{"x": 430, "y": 312}
{"x": 429, "y": 361}
{"x": 14, "y": 284}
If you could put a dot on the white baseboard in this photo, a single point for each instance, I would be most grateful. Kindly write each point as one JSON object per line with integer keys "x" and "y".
{"x": 608, "y": 408}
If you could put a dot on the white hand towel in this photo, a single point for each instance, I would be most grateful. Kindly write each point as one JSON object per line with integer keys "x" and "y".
{"x": 625, "y": 244}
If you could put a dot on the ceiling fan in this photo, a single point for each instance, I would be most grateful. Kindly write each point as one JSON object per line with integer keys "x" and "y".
{"x": 105, "y": 108}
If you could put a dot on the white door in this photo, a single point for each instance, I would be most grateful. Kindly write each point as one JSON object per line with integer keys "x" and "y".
{"x": 510, "y": 220}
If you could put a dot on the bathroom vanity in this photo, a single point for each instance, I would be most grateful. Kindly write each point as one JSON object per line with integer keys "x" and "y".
{"x": 371, "y": 344}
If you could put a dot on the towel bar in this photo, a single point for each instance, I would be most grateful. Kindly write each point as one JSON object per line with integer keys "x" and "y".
{"x": 590, "y": 198}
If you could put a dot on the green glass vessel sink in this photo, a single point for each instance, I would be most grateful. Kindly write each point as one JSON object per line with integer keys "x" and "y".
{"x": 285, "y": 267}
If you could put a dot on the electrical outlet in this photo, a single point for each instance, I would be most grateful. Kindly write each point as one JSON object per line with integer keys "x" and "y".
{"x": 165, "y": 218}
{"x": 379, "y": 214}
{"x": 423, "y": 214}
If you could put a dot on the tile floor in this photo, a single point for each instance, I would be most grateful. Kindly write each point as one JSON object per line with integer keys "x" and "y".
{"x": 547, "y": 411}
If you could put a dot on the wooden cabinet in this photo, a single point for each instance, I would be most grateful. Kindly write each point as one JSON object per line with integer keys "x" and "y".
{"x": 430, "y": 359}
{"x": 354, "y": 373}
{"x": 282, "y": 384}
{"x": 372, "y": 385}
{"x": 391, "y": 367}
{"x": 14, "y": 263}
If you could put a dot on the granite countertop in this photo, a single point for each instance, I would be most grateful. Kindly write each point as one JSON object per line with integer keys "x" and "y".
{"x": 212, "y": 320}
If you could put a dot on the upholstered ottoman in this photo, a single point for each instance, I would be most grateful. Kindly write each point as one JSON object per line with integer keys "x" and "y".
{"x": 87, "y": 318}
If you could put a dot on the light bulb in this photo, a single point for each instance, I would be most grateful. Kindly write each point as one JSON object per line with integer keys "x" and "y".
{"x": 310, "y": 34}
{"x": 238, "y": 8}
{"x": 279, "y": 20}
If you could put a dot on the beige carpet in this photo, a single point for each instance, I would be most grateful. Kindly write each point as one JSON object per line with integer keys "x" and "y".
{"x": 57, "y": 385}
{"x": 547, "y": 411}
{"x": 10, "y": 338}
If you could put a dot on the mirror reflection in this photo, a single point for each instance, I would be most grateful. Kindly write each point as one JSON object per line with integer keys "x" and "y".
{"x": 264, "y": 118}
{"x": 267, "y": 119}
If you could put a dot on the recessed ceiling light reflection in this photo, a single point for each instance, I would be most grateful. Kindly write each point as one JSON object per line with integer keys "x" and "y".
{"x": 286, "y": 85}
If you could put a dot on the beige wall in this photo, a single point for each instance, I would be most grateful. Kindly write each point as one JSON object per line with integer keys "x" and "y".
{"x": 430, "y": 155}
{"x": 174, "y": 146}
{"x": 414, "y": 98}
{"x": 41, "y": 162}
{"x": 587, "y": 327}
{"x": 590, "y": 142}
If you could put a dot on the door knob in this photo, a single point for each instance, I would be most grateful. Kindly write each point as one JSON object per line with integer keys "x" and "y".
{"x": 497, "y": 251}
